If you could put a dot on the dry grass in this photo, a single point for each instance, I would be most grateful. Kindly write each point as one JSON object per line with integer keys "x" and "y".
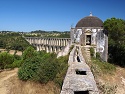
{"x": 107, "y": 83}
{"x": 10, "y": 84}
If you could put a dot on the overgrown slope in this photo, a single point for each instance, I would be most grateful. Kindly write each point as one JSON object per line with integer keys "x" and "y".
{"x": 110, "y": 79}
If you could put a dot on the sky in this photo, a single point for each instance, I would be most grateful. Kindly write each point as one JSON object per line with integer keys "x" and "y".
{"x": 54, "y": 15}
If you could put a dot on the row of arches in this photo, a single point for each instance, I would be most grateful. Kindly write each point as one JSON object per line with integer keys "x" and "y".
{"x": 49, "y": 48}
{"x": 48, "y": 41}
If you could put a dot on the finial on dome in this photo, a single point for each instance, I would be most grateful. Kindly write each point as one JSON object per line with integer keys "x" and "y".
{"x": 90, "y": 14}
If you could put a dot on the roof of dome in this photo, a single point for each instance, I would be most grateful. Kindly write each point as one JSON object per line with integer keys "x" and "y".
{"x": 90, "y": 21}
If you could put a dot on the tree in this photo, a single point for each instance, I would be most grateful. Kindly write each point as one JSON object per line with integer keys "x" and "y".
{"x": 116, "y": 32}
{"x": 6, "y": 59}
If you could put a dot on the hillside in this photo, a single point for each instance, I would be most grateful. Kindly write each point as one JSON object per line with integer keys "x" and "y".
{"x": 10, "y": 84}
{"x": 110, "y": 79}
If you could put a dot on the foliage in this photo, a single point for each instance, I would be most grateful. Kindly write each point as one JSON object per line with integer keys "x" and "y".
{"x": 117, "y": 54}
{"x": 29, "y": 53}
{"x": 92, "y": 52}
{"x": 16, "y": 63}
{"x": 42, "y": 66}
{"x": 101, "y": 70}
{"x": 13, "y": 41}
{"x": 55, "y": 34}
{"x": 62, "y": 69}
{"x": 29, "y": 69}
{"x": 116, "y": 32}
{"x": 6, "y": 60}
{"x": 98, "y": 56}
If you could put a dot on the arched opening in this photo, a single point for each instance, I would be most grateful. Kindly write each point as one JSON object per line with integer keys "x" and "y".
{"x": 88, "y": 39}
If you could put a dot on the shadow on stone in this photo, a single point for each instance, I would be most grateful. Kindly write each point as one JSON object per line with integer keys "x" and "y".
{"x": 80, "y": 72}
{"x": 81, "y": 92}
{"x": 78, "y": 59}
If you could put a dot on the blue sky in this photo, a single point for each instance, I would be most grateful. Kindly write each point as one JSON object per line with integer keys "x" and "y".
{"x": 59, "y": 15}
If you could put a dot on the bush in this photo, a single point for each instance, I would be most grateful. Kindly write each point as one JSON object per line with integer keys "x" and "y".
{"x": 29, "y": 69}
{"x": 29, "y": 52}
{"x": 48, "y": 71}
{"x": 17, "y": 63}
{"x": 6, "y": 60}
{"x": 17, "y": 57}
{"x": 43, "y": 67}
{"x": 62, "y": 69}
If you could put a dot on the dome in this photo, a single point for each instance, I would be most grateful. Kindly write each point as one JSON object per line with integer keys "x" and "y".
{"x": 90, "y": 21}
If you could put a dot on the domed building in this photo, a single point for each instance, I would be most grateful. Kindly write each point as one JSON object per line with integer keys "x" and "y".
{"x": 89, "y": 32}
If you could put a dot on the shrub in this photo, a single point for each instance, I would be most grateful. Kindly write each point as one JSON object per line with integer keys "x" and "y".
{"x": 17, "y": 57}
{"x": 62, "y": 69}
{"x": 17, "y": 63}
{"x": 29, "y": 69}
{"x": 29, "y": 52}
{"x": 6, "y": 60}
{"x": 39, "y": 68}
{"x": 48, "y": 71}
{"x": 43, "y": 67}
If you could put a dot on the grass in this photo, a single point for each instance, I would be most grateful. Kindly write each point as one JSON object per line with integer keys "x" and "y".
{"x": 101, "y": 70}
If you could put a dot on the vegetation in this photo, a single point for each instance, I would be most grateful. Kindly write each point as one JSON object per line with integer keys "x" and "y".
{"x": 92, "y": 52}
{"x": 49, "y": 34}
{"x": 42, "y": 67}
{"x": 6, "y": 60}
{"x": 13, "y": 41}
{"x": 36, "y": 66}
{"x": 116, "y": 32}
{"x": 62, "y": 69}
{"x": 101, "y": 70}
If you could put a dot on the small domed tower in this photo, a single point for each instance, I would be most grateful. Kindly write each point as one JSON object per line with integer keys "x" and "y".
{"x": 89, "y": 32}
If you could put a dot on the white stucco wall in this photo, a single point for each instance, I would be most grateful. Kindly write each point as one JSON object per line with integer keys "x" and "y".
{"x": 77, "y": 35}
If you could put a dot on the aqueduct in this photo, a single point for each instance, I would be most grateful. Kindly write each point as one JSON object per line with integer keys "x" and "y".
{"x": 48, "y": 44}
{"x": 88, "y": 33}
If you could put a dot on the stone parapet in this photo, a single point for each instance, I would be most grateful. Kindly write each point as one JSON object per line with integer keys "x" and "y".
{"x": 79, "y": 77}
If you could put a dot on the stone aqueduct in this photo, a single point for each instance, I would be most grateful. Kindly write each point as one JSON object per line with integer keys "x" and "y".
{"x": 49, "y": 44}
{"x": 79, "y": 78}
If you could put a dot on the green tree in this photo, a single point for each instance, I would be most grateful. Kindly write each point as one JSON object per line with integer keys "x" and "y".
{"x": 116, "y": 32}
{"x": 29, "y": 53}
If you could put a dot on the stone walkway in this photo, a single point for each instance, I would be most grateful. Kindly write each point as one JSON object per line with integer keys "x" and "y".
{"x": 79, "y": 78}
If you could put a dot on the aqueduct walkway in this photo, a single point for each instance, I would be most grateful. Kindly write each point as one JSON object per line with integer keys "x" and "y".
{"x": 79, "y": 78}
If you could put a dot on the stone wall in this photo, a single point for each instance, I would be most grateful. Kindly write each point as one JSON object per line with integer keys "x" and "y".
{"x": 79, "y": 77}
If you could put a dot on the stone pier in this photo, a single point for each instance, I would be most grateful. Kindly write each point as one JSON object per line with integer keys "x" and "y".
{"x": 49, "y": 44}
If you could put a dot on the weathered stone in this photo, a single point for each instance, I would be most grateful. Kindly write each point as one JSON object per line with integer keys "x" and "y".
{"x": 74, "y": 82}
